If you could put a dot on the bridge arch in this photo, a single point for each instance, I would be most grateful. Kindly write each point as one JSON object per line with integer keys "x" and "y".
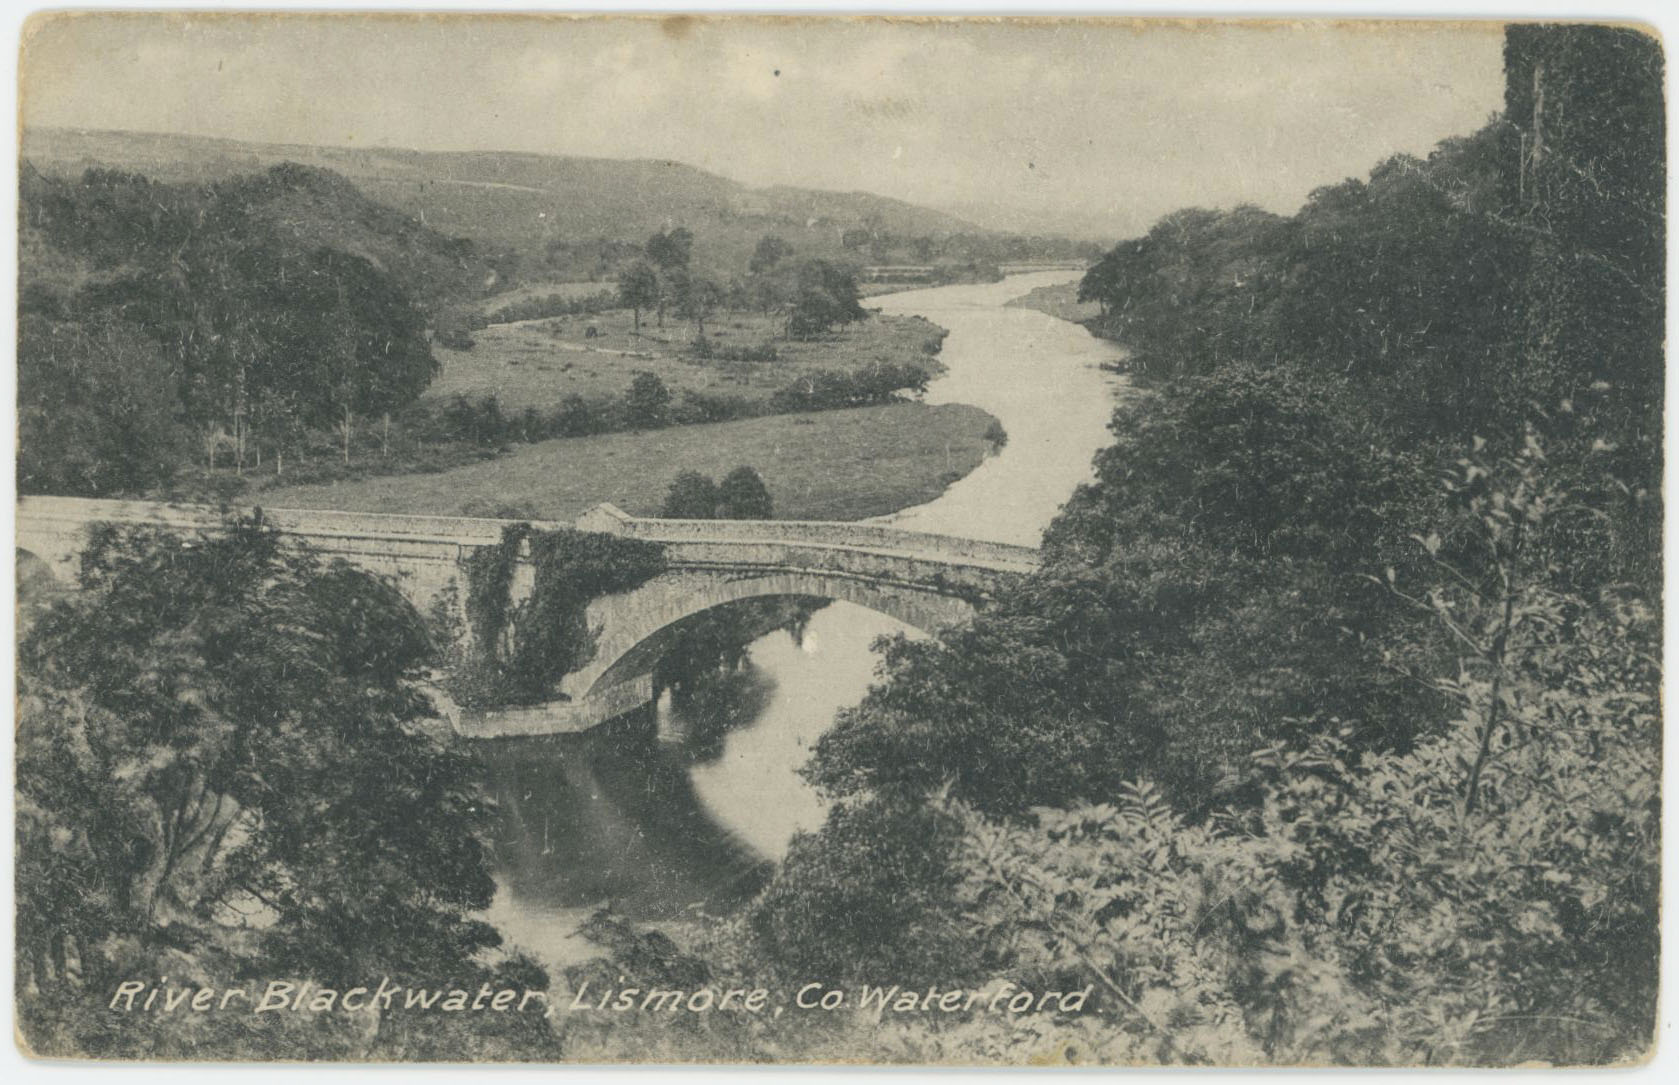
{"x": 634, "y": 628}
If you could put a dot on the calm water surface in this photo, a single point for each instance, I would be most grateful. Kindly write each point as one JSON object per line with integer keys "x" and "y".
{"x": 689, "y": 809}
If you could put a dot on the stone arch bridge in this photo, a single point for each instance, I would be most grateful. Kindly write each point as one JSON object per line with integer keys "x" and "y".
{"x": 923, "y": 580}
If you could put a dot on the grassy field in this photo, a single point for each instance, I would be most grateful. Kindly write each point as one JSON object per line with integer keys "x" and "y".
{"x": 831, "y": 465}
{"x": 1060, "y": 300}
{"x": 537, "y": 363}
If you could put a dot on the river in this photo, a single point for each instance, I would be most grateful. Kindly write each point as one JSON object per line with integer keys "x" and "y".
{"x": 690, "y": 813}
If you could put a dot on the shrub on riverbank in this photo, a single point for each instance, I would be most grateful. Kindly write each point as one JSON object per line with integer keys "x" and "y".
{"x": 1419, "y": 722}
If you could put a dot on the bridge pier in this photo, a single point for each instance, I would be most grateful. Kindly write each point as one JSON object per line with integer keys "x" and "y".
{"x": 557, "y": 717}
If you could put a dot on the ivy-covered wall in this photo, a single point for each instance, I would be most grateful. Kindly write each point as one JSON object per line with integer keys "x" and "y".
{"x": 517, "y": 651}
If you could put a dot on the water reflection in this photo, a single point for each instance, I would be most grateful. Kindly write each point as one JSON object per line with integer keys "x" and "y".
{"x": 611, "y": 818}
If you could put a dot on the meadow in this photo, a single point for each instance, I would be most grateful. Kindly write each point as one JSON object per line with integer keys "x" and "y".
{"x": 828, "y": 465}
{"x": 538, "y": 363}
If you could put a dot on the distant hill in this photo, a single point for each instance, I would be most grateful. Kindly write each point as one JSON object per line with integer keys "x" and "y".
{"x": 532, "y": 204}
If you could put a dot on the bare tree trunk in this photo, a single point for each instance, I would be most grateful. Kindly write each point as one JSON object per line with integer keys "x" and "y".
{"x": 385, "y": 441}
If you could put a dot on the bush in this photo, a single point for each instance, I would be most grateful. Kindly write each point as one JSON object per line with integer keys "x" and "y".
{"x": 831, "y": 389}
{"x": 762, "y": 352}
{"x": 692, "y": 496}
{"x": 869, "y": 897}
{"x": 95, "y": 410}
{"x": 479, "y": 423}
{"x": 577, "y": 417}
{"x": 1489, "y": 897}
{"x": 743, "y": 496}
{"x": 699, "y": 407}
{"x": 647, "y": 403}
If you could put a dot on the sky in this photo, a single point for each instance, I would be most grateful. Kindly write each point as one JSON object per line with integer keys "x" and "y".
{"x": 1084, "y": 127}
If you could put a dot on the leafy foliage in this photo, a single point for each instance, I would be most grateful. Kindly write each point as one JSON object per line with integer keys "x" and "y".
{"x": 1401, "y": 738}
{"x": 228, "y": 768}
{"x": 692, "y": 496}
{"x": 262, "y": 325}
{"x": 742, "y": 495}
{"x": 1377, "y": 909}
{"x": 825, "y": 294}
{"x": 870, "y": 897}
{"x": 95, "y": 415}
{"x": 638, "y": 289}
{"x": 647, "y": 403}
{"x": 519, "y": 651}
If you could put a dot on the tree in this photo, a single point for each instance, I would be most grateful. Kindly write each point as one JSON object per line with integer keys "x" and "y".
{"x": 638, "y": 288}
{"x": 241, "y": 311}
{"x": 692, "y": 496}
{"x": 698, "y": 298}
{"x": 826, "y": 294}
{"x": 770, "y": 251}
{"x": 872, "y": 893}
{"x": 95, "y": 409}
{"x": 1503, "y": 871}
{"x": 742, "y": 495}
{"x": 648, "y": 401}
{"x": 672, "y": 249}
{"x": 228, "y": 763}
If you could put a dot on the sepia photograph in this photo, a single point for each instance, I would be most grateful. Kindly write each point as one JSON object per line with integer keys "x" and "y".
{"x": 810, "y": 539}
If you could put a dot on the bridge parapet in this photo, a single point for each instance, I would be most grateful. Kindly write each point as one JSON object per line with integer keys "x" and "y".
{"x": 838, "y": 534}
{"x": 325, "y": 523}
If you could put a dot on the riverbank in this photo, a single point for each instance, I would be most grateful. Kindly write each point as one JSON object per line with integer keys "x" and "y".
{"x": 826, "y": 465}
{"x": 1060, "y": 300}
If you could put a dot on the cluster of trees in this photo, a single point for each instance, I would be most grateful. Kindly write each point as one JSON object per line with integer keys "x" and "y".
{"x": 229, "y": 771}
{"x": 664, "y": 278}
{"x": 588, "y": 260}
{"x": 870, "y": 241}
{"x": 1455, "y": 288}
{"x": 742, "y": 495}
{"x": 879, "y": 245}
{"x": 1295, "y": 751}
{"x": 539, "y": 306}
{"x": 190, "y": 321}
{"x": 813, "y": 295}
{"x": 646, "y": 404}
{"x": 830, "y": 389}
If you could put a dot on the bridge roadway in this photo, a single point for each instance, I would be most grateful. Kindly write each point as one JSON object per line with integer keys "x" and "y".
{"x": 924, "y": 580}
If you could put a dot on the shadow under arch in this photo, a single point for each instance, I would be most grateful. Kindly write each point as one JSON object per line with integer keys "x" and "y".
{"x": 652, "y": 618}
